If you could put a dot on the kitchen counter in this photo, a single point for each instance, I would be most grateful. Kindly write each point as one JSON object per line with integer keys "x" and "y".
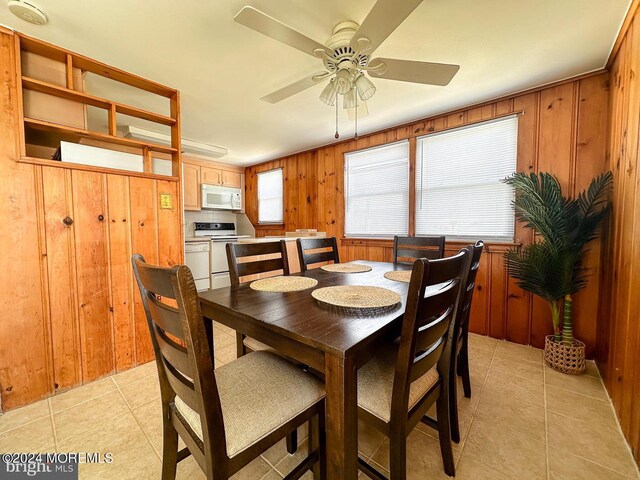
{"x": 265, "y": 239}
{"x": 275, "y": 239}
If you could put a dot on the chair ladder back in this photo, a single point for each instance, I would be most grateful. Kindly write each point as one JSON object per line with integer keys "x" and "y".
{"x": 153, "y": 279}
{"x": 428, "y": 319}
{"x": 174, "y": 353}
{"x": 203, "y": 384}
{"x": 430, "y": 247}
{"x": 317, "y": 250}
{"x": 427, "y": 359}
{"x": 438, "y": 303}
{"x": 429, "y": 334}
{"x": 436, "y": 312}
{"x": 238, "y": 268}
{"x": 165, "y": 316}
{"x": 183, "y": 386}
{"x": 471, "y": 281}
{"x": 183, "y": 356}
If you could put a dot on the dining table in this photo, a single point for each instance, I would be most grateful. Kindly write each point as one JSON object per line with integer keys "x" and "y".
{"x": 331, "y": 340}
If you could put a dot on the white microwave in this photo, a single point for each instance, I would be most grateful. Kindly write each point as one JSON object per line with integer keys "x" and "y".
{"x": 221, "y": 198}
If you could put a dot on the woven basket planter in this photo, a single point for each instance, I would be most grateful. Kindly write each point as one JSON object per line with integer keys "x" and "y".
{"x": 564, "y": 358}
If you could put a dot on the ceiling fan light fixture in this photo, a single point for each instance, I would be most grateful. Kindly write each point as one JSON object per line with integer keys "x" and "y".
{"x": 344, "y": 82}
{"x": 347, "y": 56}
{"x": 328, "y": 94}
{"x": 349, "y": 99}
{"x": 365, "y": 87}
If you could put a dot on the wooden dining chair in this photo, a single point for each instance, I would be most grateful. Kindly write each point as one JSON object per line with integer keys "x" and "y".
{"x": 317, "y": 250}
{"x": 229, "y": 416}
{"x": 248, "y": 260}
{"x": 431, "y": 247}
{"x": 460, "y": 366}
{"x": 403, "y": 380}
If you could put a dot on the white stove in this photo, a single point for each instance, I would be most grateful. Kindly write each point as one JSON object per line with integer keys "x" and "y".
{"x": 219, "y": 234}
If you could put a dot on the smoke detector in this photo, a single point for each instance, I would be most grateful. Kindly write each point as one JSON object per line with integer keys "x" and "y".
{"x": 28, "y": 12}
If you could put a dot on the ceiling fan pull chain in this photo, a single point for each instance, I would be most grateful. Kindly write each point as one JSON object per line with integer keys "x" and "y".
{"x": 337, "y": 134}
{"x": 356, "y": 97}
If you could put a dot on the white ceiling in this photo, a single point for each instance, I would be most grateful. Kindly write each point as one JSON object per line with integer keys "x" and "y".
{"x": 222, "y": 68}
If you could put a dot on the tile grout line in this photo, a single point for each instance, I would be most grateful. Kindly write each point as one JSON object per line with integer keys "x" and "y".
{"x": 136, "y": 418}
{"x": 615, "y": 416}
{"x": 473, "y": 417}
{"x": 273, "y": 467}
{"x": 619, "y": 429}
{"x": 547, "y": 410}
{"x": 83, "y": 401}
{"x": 9, "y": 430}
{"x": 475, "y": 410}
{"x": 53, "y": 425}
{"x": 546, "y": 420}
{"x": 607, "y": 400}
{"x": 463, "y": 441}
{"x": 288, "y": 455}
{"x": 581, "y": 394}
{"x": 506, "y": 425}
{"x": 269, "y": 472}
{"x": 604, "y": 467}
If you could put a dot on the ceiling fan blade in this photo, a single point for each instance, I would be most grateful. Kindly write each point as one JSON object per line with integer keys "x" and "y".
{"x": 382, "y": 20}
{"x": 417, "y": 72}
{"x": 294, "y": 88}
{"x": 269, "y": 26}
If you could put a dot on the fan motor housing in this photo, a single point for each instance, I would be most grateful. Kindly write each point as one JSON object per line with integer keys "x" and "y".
{"x": 342, "y": 35}
{"x": 342, "y": 52}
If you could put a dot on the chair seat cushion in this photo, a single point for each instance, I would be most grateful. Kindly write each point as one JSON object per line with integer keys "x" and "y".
{"x": 259, "y": 392}
{"x": 375, "y": 384}
{"x": 256, "y": 346}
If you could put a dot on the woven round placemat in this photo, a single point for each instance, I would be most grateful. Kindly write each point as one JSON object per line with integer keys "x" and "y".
{"x": 399, "y": 276}
{"x": 357, "y": 296}
{"x": 283, "y": 284}
{"x": 346, "y": 268}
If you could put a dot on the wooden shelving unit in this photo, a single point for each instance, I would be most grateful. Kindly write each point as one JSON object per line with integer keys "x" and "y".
{"x": 56, "y": 132}
{"x": 73, "y": 134}
{"x": 80, "y": 97}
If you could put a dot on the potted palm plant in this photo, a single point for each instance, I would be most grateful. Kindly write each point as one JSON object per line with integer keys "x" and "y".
{"x": 551, "y": 266}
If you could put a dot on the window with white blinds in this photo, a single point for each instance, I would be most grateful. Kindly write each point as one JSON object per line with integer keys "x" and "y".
{"x": 376, "y": 182}
{"x": 270, "y": 198}
{"x": 458, "y": 188}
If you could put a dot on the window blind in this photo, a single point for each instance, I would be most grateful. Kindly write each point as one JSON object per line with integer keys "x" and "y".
{"x": 458, "y": 188}
{"x": 270, "y": 198}
{"x": 377, "y": 191}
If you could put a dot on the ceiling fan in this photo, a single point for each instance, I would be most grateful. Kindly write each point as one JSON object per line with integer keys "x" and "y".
{"x": 347, "y": 55}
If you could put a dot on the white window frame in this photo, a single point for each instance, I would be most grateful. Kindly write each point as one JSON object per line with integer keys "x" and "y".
{"x": 275, "y": 221}
{"x": 346, "y": 192}
{"x": 419, "y": 186}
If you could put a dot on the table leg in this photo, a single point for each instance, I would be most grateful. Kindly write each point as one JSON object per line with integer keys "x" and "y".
{"x": 341, "y": 418}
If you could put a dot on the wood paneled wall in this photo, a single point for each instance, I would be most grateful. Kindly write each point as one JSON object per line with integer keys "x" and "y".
{"x": 562, "y": 129}
{"x": 69, "y": 310}
{"x": 618, "y": 352}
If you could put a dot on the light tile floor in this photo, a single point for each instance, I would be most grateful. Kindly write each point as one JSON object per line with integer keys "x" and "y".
{"x": 524, "y": 421}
